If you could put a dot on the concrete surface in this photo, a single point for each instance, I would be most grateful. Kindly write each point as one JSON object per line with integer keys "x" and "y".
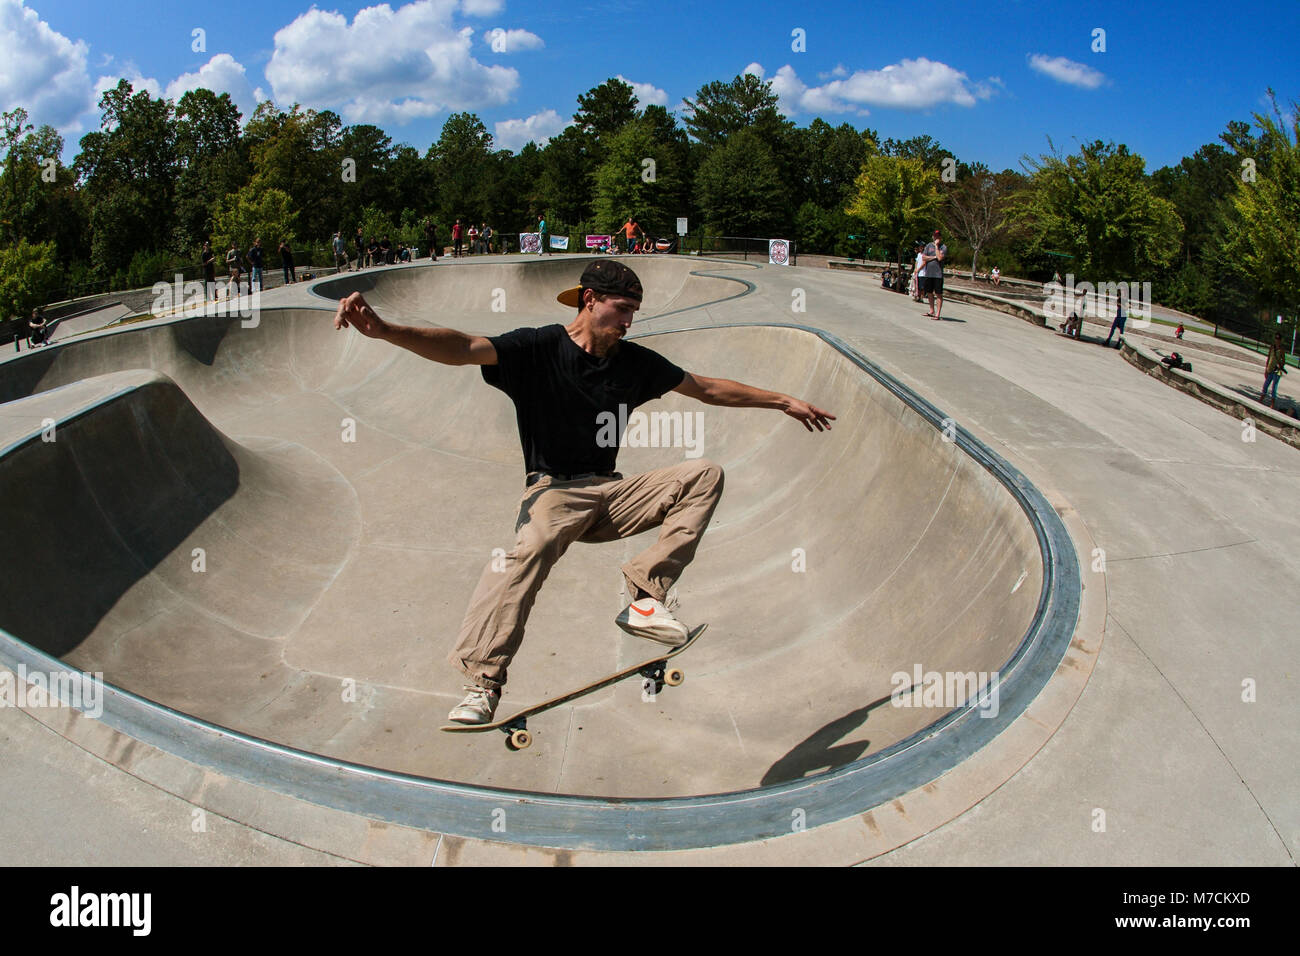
{"x": 1164, "y": 742}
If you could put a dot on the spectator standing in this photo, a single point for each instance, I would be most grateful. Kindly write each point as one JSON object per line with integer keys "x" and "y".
{"x": 917, "y": 265}
{"x": 932, "y": 257}
{"x": 286, "y": 261}
{"x": 488, "y": 235}
{"x": 546, "y": 238}
{"x": 372, "y": 251}
{"x": 431, "y": 238}
{"x": 473, "y": 239}
{"x": 361, "y": 249}
{"x": 1274, "y": 368}
{"x": 341, "y": 254}
{"x": 233, "y": 259}
{"x": 457, "y": 238}
{"x": 1120, "y": 319}
{"x": 209, "y": 260}
{"x": 255, "y": 259}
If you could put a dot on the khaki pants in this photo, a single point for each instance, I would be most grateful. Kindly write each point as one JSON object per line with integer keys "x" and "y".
{"x": 554, "y": 514}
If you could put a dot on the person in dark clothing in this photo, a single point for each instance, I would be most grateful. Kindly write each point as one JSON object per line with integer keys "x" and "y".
{"x": 255, "y": 257}
{"x": 37, "y": 333}
{"x": 386, "y": 251}
{"x": 286, "y": 260}
{"x": 209, "y": 260}
{"x": 431, "y": 238}
{"x": 361, "y": 250}
{"x": 564, "y": 381}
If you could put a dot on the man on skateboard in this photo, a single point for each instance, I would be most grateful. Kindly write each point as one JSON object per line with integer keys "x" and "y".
{"x": 563, "y": 381}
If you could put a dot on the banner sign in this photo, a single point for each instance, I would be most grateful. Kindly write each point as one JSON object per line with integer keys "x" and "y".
{"x": 778, "y": 252}
{"x": 559, "y": 242}
{"x": 681, "y": 225}
{"x": 599, "y": 242}
{"x": 530, "y": 242}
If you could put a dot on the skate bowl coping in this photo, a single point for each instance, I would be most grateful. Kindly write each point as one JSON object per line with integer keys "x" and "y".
{"x": 894, "y": 545}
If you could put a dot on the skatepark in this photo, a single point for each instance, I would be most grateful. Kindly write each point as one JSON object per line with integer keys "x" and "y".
{"x": 263, "y": 533}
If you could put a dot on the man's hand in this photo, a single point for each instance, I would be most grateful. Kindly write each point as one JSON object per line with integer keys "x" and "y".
{"x": 810, "y": 415}
{"x": 356, "y": 312}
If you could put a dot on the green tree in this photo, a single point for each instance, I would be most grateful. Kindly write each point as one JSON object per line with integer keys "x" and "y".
{"x": 464, "y": 167}
{"x": 625, "y": 185}
{"x": 250, "y": 214}
{"x": 720, "y": 110}
{"x": 565, "y": 185}
{"x": 212, "y": 160}
{"x": 829, "y": 159}
{"x": 39, "y": 201}
{"x": 299, "y": 153}
{"x": 128, "y": 172}
{"x": 28, "y": 274}
{"x": 739, "y": 188}
{"x": 1099, "y": 206}
{"x": 898, "y": 199}
{"x": 1264, "y": 236}
{"x": 606, "y": 109}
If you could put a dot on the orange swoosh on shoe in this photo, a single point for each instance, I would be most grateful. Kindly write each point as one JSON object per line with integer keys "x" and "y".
{"x": 649, "y": 613}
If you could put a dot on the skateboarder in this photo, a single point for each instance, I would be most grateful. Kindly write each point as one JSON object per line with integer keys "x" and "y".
{"x": 563, "y": 382}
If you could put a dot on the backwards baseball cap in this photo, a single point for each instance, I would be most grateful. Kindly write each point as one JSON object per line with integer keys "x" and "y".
{"x": 936, "y": 232}
{"x": 606, "y": 277}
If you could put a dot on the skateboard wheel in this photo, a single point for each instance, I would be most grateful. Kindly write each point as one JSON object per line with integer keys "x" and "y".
{"x": 674, "y": 676}
{"x": 520, "y": 740}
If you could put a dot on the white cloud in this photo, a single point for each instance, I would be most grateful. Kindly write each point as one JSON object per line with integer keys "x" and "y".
{"x": 836, "y": 73}
{"x": 514, "y": 134}
{"x": 909, "y": 84}
{"x": 221, "y": 74}
{"x": 647, "y": 94}
{"x": 511, "y": 41}
{"x": 482, "y": 8}
{"x": 387, "y": 66}
{"x": 1067, "y": 71}
{"x": 43, "y": 71}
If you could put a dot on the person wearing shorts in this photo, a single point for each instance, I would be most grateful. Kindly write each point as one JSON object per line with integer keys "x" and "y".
{"x": 931, "y": 283}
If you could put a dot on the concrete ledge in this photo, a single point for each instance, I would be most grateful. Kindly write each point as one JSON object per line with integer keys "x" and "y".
{"x": 1267, "y": 420}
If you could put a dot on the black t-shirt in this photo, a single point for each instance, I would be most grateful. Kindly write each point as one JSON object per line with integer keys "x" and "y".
{"x": 255, "y": 256}
{"x": 560, "y": 391}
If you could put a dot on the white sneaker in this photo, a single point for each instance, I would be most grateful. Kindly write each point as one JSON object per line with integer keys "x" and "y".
{"x": 650, "y": 619}
{"x": 477, "y": 707}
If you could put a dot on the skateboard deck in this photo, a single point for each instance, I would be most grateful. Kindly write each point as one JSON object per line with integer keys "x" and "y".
{"x": 652, "y": 670}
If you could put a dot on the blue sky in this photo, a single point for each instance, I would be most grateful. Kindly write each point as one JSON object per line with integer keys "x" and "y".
{"x": 991, "y": 81}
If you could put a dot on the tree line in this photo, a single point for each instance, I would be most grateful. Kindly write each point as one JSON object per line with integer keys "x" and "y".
{"x": 1216, "y": 233}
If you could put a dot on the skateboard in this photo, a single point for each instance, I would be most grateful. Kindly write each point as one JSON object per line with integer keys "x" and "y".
{"x": 653, "y": 671}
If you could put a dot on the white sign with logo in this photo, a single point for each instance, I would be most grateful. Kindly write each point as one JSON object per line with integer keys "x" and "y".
{"x": 681, "y": 226}
{"x": 778, "y": 252}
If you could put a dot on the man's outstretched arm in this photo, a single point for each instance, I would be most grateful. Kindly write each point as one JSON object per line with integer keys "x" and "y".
{"x": 721, "y": 391}
{"x": 436, "y": 344}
